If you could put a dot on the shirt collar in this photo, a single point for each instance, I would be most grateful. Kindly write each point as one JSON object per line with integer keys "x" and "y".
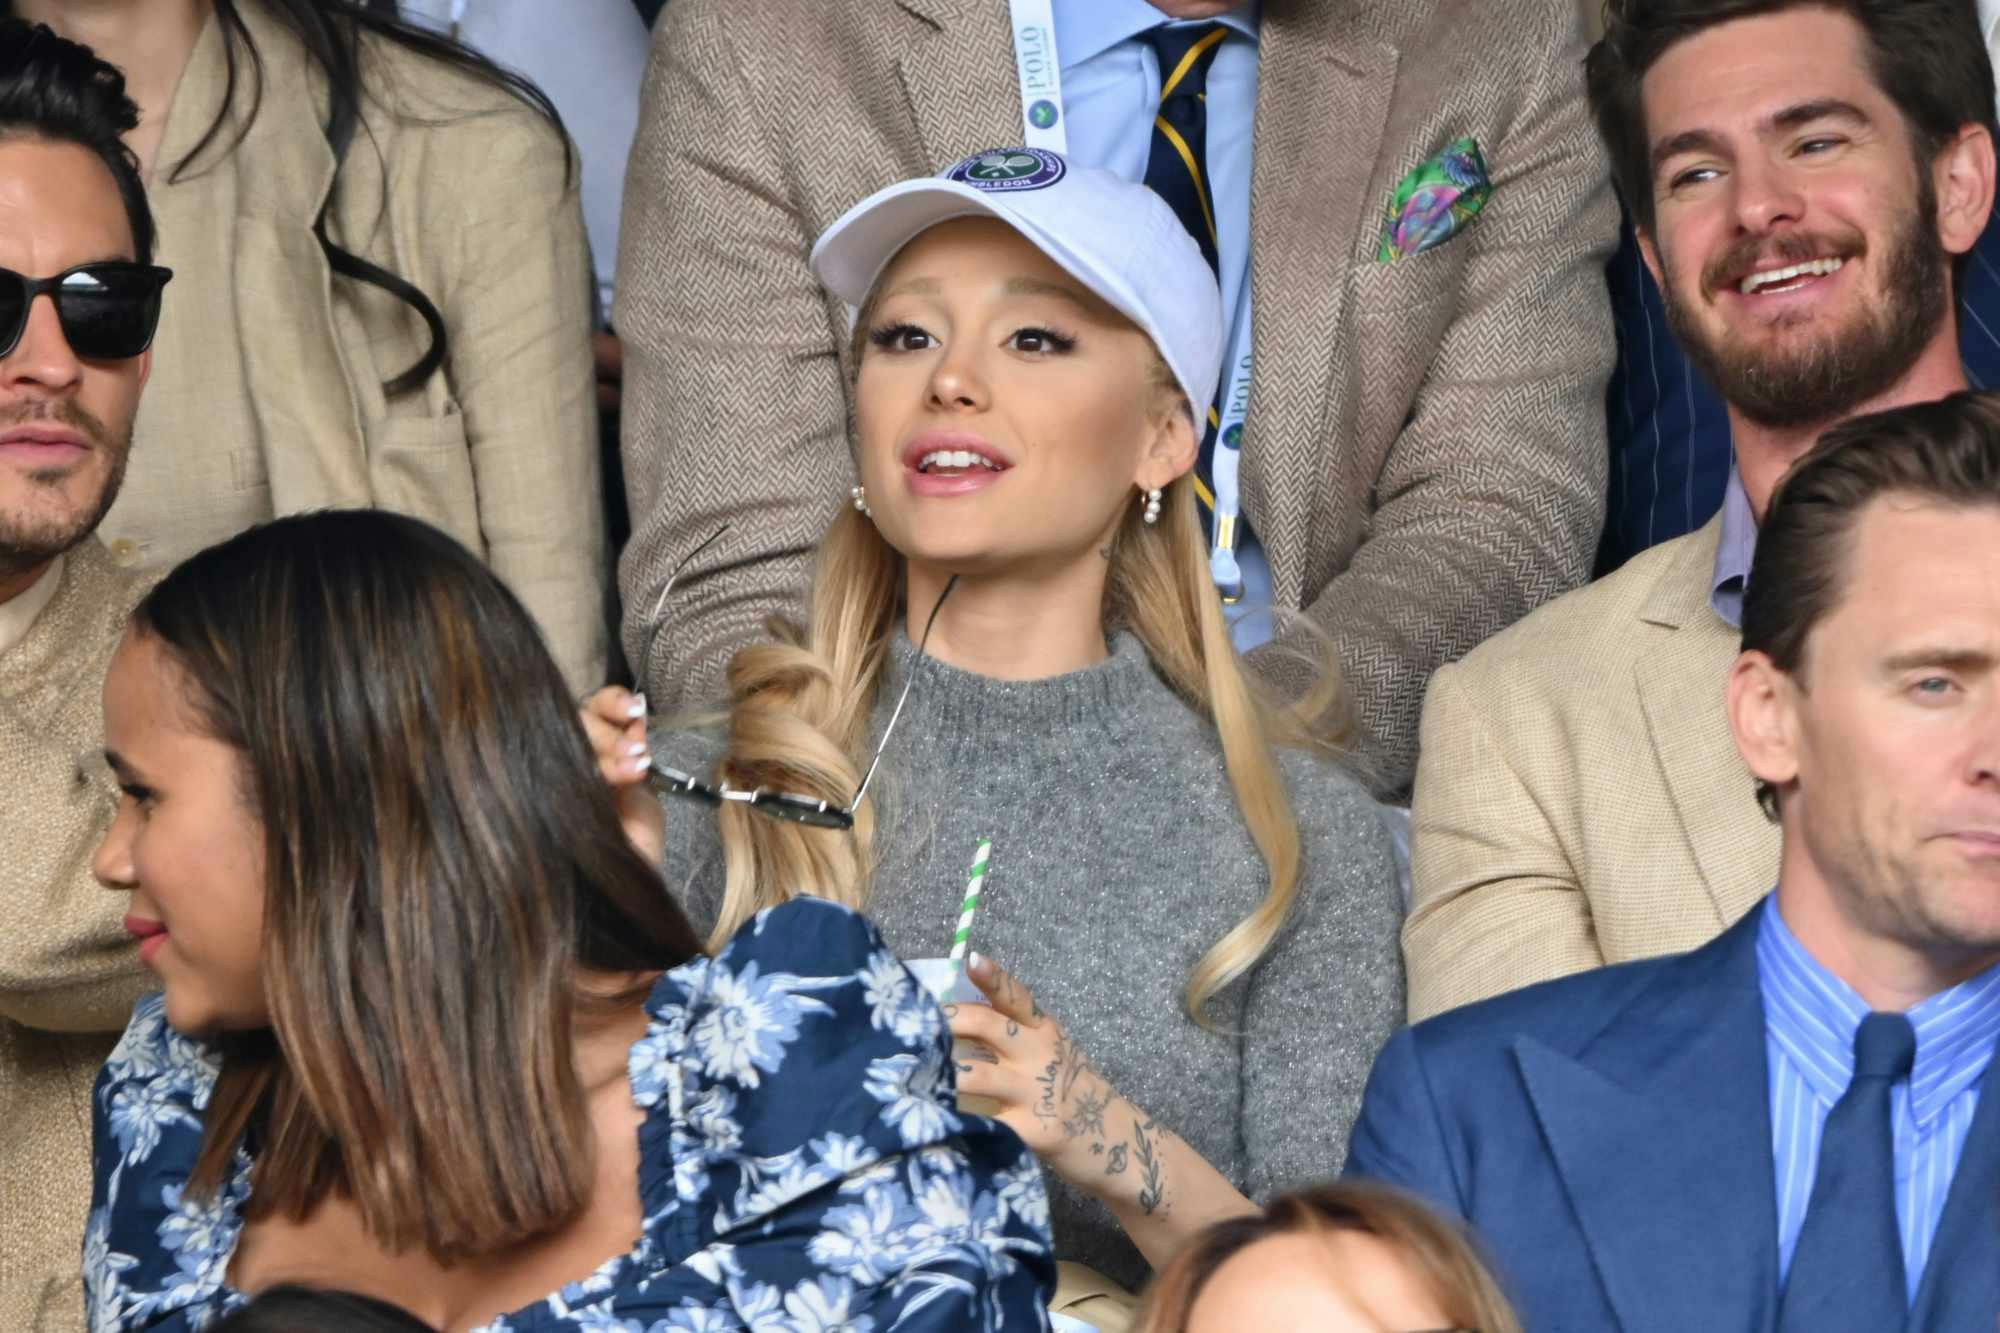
{"x": 1087, "y": 28}
{"x": 1813, "y": 1015}
{"x": 17, "y": 614}
{"x": 1734, "y": 552}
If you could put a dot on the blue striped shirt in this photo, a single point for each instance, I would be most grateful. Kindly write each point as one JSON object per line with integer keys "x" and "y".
{"x": 1111, "y": 88}
{"x": 1810, "y": 1017}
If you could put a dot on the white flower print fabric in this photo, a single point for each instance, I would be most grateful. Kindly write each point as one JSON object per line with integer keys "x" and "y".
{"x": 803, "y": 1164}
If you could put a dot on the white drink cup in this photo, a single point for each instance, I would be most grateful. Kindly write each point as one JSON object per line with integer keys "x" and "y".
{"x": 948, "y": 984}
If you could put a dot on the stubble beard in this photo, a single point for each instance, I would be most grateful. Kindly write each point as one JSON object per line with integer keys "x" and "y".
{"x": 1890, "y": 893}
{"x": 32, "y": 535}
{"x": 1824, "y": 378}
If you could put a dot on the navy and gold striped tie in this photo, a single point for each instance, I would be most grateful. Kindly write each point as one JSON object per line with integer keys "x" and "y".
{"x": 1177, "y": 166}
{"x": 1177, "y": 170}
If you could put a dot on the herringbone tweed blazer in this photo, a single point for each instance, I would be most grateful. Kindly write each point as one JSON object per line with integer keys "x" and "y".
{"x": 68, "y": 973}
{"x": 1580, "y": 800}
{"x": 1424, "y": 458}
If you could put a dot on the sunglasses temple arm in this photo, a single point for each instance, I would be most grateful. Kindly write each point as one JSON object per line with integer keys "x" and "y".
{"x": 901, "y": 699}
{"x": 659, "y": 603}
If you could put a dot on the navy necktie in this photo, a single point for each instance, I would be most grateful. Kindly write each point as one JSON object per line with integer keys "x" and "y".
{"x": 1847, "y": 1270}
{"x": 1177, "y": 171}
{"x": 1177, "y": 164}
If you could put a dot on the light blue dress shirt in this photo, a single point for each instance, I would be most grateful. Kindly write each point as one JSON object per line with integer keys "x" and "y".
{"x": 1810, "y": 1017}
{"x": 1111, "y": 92}
{"x": 1734, "y": 552}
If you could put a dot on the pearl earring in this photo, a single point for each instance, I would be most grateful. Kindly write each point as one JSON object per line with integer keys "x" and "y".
{"x": 859, "y": 495}
{"x": 1152, "y": 514}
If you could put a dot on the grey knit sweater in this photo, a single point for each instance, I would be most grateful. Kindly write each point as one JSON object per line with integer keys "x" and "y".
{"x": 1118, "y": 859}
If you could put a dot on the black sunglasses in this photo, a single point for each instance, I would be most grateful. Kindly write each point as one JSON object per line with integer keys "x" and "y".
{"x": 790, "y": 806}
{"x": 108, "y": 311}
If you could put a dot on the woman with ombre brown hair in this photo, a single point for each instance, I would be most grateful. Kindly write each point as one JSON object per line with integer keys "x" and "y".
{"x": 1346, "y": 1258}
{"x": 431, "y": 1032}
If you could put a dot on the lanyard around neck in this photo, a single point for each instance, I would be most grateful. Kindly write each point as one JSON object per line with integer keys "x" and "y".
{"x": 1043, "y": 125}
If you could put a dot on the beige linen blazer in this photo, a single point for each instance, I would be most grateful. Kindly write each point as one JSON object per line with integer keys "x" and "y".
{"x": 1424, "y": 458}
{"x": 1580, "y": 800}
{"x": 68, "y": 972}
{"x": 458, "y": 188}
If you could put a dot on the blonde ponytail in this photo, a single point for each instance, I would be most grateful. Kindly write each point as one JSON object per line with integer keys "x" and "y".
{"x": 799, "y": 714}
{"x": 1160, "y": 589}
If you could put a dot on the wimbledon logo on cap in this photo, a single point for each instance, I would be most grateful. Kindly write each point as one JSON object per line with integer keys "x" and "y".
{"x": 1009, "y": 169}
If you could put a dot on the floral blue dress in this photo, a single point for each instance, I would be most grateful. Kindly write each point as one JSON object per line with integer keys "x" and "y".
{"x": 803, "y": 1166}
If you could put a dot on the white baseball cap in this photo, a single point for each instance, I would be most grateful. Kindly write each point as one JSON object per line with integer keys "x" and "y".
{"x": 1116, "y": 237}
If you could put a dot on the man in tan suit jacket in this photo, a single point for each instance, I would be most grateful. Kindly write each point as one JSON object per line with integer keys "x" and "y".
{"x": 1423, "y": 459}
{"x": 1579, "y": 800}
{"x": 68, "y": 974}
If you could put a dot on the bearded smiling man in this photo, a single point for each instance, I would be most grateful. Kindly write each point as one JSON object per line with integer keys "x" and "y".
{"x": 1804, "y": 177}
{"x": 78, "y": 303}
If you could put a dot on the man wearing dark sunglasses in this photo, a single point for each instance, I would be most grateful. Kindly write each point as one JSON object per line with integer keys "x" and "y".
{"x": 79, "y": 300}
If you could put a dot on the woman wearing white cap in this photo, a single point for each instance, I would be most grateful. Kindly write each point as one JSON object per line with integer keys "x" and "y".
{"x": 1198, "y": 927}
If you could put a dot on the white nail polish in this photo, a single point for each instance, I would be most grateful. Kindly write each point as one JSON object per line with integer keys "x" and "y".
{"x": 635, "y": 708}
{"x": 633, "y": 749}
{"x": 973, "y": 959}
{"x": 643, "y": 762}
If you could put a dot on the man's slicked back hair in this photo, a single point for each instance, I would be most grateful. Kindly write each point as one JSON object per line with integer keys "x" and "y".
{"x": 55, "y": 89}
{"x": 1945, "y": 452}
{"x": 1927, "y": 56}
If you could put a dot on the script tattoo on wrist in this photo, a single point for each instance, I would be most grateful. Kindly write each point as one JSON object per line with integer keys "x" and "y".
{"x": 1058, "y": 1080}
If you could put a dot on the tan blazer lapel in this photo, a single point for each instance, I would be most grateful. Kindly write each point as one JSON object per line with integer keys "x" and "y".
{"x": 1323, "y": 97}
{"x": 309, "y": 422}
{"x": 957, "y": 68}
{"x": 1681, "y": 687}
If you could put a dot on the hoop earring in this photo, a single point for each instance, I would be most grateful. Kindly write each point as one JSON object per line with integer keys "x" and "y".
{"x": 859, "y": 494}
{"x": 1152, "y": 514}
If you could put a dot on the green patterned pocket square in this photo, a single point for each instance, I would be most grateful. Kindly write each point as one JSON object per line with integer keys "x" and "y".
{"x": 1435, "y": 201}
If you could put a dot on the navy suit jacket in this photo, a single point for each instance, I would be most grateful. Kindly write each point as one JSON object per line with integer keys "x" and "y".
{"x": 1609, "y": 1136}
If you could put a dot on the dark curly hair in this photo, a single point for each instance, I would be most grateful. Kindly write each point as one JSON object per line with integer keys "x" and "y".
{"x": 52, "y": 88}
{"x": 1927, "y": 56}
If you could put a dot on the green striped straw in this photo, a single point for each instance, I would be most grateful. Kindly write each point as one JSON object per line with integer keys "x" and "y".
{"x": 971, "y": 906}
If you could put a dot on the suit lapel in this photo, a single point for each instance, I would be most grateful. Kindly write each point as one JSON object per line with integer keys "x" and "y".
{"x": 1660, "y": 1129}
{"x": 1681, "y": 685}
{"x": 1323, "y": 97}
{"x": 1961, "y": 1282}
{"x": 957, "y": 69}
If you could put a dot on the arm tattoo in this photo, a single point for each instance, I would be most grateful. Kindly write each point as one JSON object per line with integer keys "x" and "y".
{"x": 1152, "y": 1187}
{"x": 1116, "y": 1166}
{"x": 1059, "y": 1078}
{"x": 1089, "y": 1117}
{"x": 1013, "y": 1028}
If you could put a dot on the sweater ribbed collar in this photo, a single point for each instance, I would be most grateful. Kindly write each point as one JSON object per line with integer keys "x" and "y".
{"x": 952, "y": 701}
